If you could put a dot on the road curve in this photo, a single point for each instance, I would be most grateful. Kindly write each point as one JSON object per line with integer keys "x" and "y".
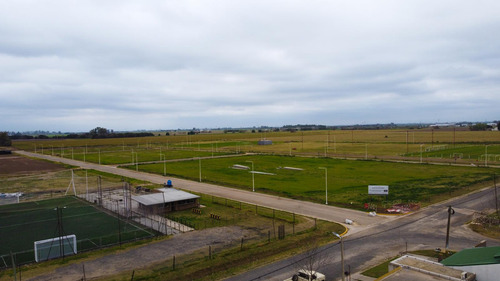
{"x": 325, "y": 212}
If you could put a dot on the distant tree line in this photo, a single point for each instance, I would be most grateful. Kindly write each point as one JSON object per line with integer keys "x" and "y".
{"x": 103, "y": 133}
{"x": 97, "y": 133}
{"x": 482, "y": 127}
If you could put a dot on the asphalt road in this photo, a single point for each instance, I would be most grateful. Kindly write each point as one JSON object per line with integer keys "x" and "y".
{"x": 425, "y": 229}
{"x": 320, "y": 211}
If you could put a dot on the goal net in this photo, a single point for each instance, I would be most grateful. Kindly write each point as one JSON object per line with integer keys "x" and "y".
{"x": 55, "y": 247}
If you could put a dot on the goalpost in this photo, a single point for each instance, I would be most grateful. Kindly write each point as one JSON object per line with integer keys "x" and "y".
{"x": 55, "y": 247}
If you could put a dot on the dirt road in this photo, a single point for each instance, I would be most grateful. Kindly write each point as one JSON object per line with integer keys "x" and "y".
{"x": 325, "y": 212}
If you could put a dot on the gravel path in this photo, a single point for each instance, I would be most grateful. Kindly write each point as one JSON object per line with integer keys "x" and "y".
{"x": 150, "y": 254}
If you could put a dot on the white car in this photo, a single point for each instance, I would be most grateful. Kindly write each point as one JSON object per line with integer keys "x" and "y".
{"x": 306, "y": 275}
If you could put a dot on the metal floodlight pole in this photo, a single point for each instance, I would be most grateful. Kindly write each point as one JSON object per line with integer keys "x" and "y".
{"x": 486, "y": 155}
{"x": 164, "y": 164}
{"x": 253, "y": 177}
{"x": 199, "y": 160}
{"x": 341, "y": 254}
{"x": 421, "y": 153}
{"x": 326, "y": 184}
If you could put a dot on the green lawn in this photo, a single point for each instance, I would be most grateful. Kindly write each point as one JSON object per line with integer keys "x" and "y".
{"x": 347, "y": 180}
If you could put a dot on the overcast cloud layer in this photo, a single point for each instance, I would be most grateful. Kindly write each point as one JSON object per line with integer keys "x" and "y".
{"x": 127, "y": 65}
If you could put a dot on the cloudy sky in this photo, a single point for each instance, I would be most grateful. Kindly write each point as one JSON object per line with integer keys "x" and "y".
{"x": 127, "y": 65}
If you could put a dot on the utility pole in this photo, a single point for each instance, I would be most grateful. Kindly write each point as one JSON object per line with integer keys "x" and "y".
{"x": 450, "y": 212}
{"x": 495, "y": 187}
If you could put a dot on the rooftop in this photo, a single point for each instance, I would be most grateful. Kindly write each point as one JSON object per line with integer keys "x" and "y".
{"x": 166, "y": 195}
{"x": 474, "y": 256}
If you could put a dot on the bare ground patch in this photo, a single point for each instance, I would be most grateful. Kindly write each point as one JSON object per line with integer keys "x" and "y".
{"x": 14, "y": 165}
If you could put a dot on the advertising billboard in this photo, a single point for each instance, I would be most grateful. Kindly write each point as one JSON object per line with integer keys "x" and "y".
{"x": 378, "y": 190}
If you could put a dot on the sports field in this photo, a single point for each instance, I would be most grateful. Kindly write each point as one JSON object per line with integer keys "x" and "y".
{"x": 22, "y": 224}
{"x": 347, "y": 180}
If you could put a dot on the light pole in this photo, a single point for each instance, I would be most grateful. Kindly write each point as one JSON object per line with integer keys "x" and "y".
{"x": 421, "y": 153}
{"x": 486, "y": 156}
{"x": 253, "y": 177}
{"x": 136, "y": 160}
{"x": 164, "y": 164}
{"x": 199, "y": 165}
{"x": 326, "y": 184}
{"x": 341, "y": 254}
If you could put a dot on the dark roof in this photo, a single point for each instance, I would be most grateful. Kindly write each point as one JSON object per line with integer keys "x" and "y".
{"x": 474, "y": 256}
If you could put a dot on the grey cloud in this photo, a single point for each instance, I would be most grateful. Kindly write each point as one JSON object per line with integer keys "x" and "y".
{"x": 226, "y": 63}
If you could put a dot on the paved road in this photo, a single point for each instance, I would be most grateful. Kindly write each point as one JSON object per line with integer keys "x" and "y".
{"x": 325, "y": 212}
{"x": 425, "y": 229}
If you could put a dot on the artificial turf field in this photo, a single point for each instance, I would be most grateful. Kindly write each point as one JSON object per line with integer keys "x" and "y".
{"x": 22, "y": 224}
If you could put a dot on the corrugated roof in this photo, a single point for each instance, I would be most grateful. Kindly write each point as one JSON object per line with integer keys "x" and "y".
{"x": 474, "y": 256}
{"x": 167, "y": 195}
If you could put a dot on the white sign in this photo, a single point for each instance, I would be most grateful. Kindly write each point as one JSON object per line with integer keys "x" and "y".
{"x": 378, "y": 190}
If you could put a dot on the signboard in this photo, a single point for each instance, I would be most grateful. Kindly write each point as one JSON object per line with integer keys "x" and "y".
{"x": 378, "y": 190}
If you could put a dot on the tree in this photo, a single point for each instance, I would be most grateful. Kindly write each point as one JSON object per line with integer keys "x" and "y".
{"x": 5, "y": 139}
{"x": 313, "y": 258}
{"x": 99, "y": 133}
{"x": 479, "y": 127}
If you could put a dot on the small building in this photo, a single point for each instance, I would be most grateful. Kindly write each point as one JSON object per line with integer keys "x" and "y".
{"x": 166, "y": 201}
{"x": 483, "y": 261}
{"x": 418, "y": 268}
{"x": 265, "y": 142}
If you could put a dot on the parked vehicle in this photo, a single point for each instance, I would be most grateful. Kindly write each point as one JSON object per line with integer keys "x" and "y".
{"x": 306, "y": 275}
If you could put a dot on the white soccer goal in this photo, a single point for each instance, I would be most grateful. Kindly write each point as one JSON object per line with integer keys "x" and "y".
{"x": 55, "y": 247}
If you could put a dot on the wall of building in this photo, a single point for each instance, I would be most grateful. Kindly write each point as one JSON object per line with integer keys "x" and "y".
{"x": 489, "y": 272}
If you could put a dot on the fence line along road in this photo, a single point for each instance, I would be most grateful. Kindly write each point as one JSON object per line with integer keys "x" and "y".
{"x": 330, "y": 213}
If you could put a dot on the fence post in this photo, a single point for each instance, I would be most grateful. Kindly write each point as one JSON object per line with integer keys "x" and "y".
{"x": 209, "y": 252}
{"x": 173, "y": 264}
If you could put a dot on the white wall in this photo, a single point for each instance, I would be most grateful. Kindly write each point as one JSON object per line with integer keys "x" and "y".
{"x": 489, "y": 272}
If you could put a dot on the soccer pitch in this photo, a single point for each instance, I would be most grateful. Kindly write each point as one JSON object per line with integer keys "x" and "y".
{"x": 23, "y": 224}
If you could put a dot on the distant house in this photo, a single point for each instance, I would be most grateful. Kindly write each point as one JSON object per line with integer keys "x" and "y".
{"x": 484, "y": 262}
{"x": 166, "y": 201}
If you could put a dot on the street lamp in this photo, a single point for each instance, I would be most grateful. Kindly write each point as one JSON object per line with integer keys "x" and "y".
{"x": 341, "y": 253}
{"x": 253, "y": 177}
{"x": 326, "y": 184}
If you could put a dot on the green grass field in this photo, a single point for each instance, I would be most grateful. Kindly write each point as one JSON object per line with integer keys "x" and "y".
{"x": 347, "y": 180}
{"x": 24, "y": 223}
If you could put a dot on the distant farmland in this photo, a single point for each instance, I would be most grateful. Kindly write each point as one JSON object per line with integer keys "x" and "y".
{"x": 440, "y": 145}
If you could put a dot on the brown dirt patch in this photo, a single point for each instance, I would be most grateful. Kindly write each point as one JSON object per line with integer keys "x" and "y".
{"x": 12, "y": 164}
